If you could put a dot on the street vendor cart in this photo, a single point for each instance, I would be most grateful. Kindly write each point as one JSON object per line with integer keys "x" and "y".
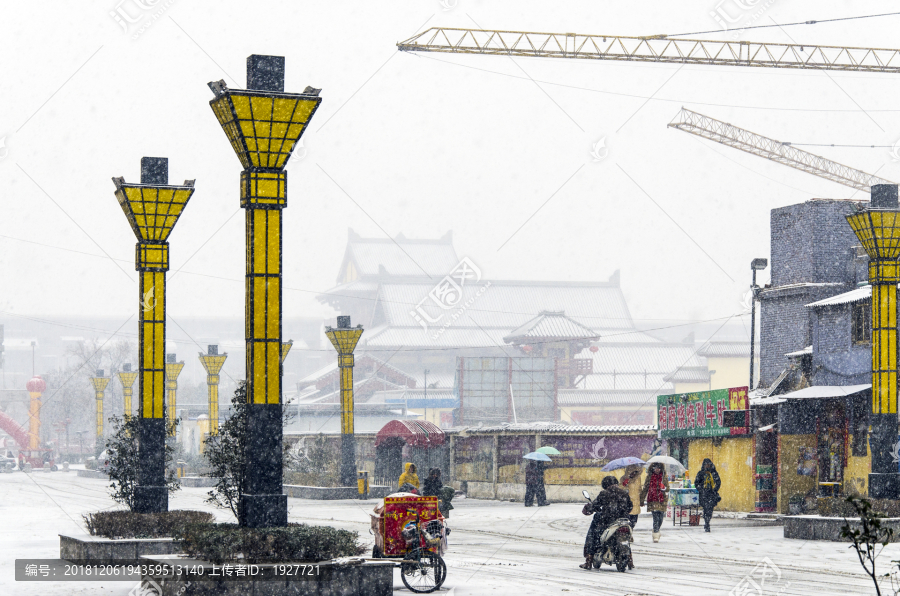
{"x": 410, "y": 529}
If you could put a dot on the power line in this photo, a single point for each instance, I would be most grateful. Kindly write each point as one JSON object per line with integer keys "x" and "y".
{"x": 870, "y": 16}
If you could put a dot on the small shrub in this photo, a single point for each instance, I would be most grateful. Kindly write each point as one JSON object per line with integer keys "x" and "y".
{"x": 127, "y": 524}
{"x": 124, "y": 461}
{"x": 222, "y": 543}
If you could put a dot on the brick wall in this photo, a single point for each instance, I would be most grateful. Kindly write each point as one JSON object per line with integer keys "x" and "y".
{"x": 836, "y": 361}
{"x": 811, "y": 243}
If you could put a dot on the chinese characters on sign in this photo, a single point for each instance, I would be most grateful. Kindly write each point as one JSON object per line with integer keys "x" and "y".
{"x": 700, "y": 414}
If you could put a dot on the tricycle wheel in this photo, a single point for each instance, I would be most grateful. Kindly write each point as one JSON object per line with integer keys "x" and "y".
{"x": 422, "y": 571}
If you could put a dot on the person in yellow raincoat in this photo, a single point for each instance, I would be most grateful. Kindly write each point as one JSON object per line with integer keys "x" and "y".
{"x": 409, "y": 476}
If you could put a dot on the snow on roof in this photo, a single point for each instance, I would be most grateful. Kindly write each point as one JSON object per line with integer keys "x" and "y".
{"x": 804, "y": 352}
{"x": 689, "y": 374}
{"x": 588, "y": 397}
{"x": 626, "y": 381}
{"x": 551, "y": 324}
{"x": 450, "y": 337}
{"x": 857, "y": 295}
{"x": 825, "y": 391}
{"x": 555, "y": 427}
{"x": 401, "y": 256}
{"x": 504, "y": 304}
{"x": 725, "y": 349}
{"x": 652, "y": 356}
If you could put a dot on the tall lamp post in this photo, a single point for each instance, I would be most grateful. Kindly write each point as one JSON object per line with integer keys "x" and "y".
{"x": 263, "y": 124}
{"x": 344, "y": 338}
{"x": 99, "y": 382}
{"x": 127, "y": 378}
{"x": 878, "y": 229}
{"x": 152, "y": 208}
{"x": 212, "y": 363}
{"x": 173, "y": 369}
{"x": 755, "y": 265}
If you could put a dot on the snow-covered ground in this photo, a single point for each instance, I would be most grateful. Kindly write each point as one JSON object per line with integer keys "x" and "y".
{"x": 496, "y": 548}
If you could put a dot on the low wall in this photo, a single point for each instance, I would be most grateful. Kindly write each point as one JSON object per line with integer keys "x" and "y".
{"x": 92, "y": 474}
{"x": 321, "y": 493}
{"x": 198, "y": 481}
{"x": 556, "y": 493}
{"x": 356, "y": 578}
{"x": 130, "y": 549}
{"x": 814, "y": 527}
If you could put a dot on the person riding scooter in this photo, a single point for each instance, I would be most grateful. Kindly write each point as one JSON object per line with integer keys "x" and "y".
{"x": 611, "y": 504}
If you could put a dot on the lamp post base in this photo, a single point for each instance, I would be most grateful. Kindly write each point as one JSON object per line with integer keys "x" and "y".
{"x": 263, "y": 511}
{"x": 151, "y": 499}
{"x": 884, "y": 486}
{"x": 348, "y": 460}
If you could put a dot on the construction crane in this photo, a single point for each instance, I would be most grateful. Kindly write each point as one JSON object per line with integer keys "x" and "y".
{"x": 657, "y": 48}
{"x": 777, "y": 151}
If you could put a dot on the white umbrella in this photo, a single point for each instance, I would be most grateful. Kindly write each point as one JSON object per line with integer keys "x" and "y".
{"x": 666, "y": 461}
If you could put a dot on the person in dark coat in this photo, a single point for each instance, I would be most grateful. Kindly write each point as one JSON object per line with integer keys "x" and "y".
{"x": 534, "y": 484}
{"x": 708, "y": 484}
{"x": 611, "y": 504}
{"x": 433, "y": 484}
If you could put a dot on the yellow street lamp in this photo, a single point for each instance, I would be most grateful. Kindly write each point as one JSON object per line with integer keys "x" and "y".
{"x": 36, "y": 387}
{"x": 263, "y": 124}
{"x": 213, "y": 362}
{"x": 99, "y": 382}
{"x": 127, "y": 378}
{"x": 285, "y": 348}
{"x": 173, "y": 369}
{"x": 878, "y": 229}
{"x": 344, "y": 339}
{"x": 152, "y": 208}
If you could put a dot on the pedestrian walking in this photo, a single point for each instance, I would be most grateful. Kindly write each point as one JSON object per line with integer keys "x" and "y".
{"x": 534, "y": 484}
{"x": 655, "y": 494}
{"x": 433, "y": 484}
{"x": 631, "y": 482}
{"x": 708, "y": 484}
{"x": 409, "y": 476}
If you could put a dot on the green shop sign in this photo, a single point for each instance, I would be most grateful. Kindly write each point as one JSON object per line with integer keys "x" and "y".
{"x": 699, "y": 414}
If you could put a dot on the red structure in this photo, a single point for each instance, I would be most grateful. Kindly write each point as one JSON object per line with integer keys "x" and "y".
{"x": 415, "y": 433}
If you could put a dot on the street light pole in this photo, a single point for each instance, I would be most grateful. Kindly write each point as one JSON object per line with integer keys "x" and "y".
{"x": 755, "y": 265}
{"x": 152, "y": 208}
{"x": 263, "y": 125}
{"x": 878, "y": 228}
{"x": 344, "y": 339}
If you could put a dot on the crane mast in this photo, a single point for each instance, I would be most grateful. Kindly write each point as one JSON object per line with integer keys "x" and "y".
{"x": 656, "y": 48}
{"x": 783, "y": 153}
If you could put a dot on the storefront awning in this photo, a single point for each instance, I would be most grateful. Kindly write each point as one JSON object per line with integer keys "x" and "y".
{"x": 826, "y": 391}
{"x": 416, "y": 433}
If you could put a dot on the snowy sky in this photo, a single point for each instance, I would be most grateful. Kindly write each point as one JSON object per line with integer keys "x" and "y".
{"x": 417, "y": 144}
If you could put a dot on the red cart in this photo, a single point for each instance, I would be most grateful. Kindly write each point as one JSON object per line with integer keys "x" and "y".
{"x": 411, "y": 529}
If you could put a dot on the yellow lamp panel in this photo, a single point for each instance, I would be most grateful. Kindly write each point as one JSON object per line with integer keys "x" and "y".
{"x": 273, "y": 367}
{"x": 259, "y": 372}
{"x": 273, "y": 308}
{"x": 261, "y": 107}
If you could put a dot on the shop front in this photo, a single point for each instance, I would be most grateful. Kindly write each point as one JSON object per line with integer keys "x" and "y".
{"x": 694, "y": 428}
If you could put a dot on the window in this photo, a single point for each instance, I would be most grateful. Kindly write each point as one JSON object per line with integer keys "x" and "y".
{"x": 861, "y": 323}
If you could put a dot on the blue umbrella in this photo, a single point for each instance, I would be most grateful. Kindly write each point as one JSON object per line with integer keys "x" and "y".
{"x": 537, "y": 456}
{"x": 622, "y": 462}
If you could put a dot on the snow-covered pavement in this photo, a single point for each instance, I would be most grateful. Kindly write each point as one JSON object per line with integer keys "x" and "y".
{"x": 496, "y": 548}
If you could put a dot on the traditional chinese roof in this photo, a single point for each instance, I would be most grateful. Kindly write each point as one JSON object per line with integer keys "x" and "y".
{"x": 550, "y": 325}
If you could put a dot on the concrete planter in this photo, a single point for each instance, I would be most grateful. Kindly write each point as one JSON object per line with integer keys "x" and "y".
{"x": 127, "y": 549}
{"x": 358, "y": 578}
{"x": 321, "y": 493}
{"x": 814, "y": 527}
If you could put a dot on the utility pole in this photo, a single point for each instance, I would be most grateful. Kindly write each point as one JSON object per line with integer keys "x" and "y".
{"x": 755, "y": 265}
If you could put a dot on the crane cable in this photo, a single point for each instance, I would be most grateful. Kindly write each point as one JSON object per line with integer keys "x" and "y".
{"x": 870, "y": 16}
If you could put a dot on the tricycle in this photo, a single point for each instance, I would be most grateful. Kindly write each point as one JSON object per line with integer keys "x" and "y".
{"x": 410, "y": 530}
